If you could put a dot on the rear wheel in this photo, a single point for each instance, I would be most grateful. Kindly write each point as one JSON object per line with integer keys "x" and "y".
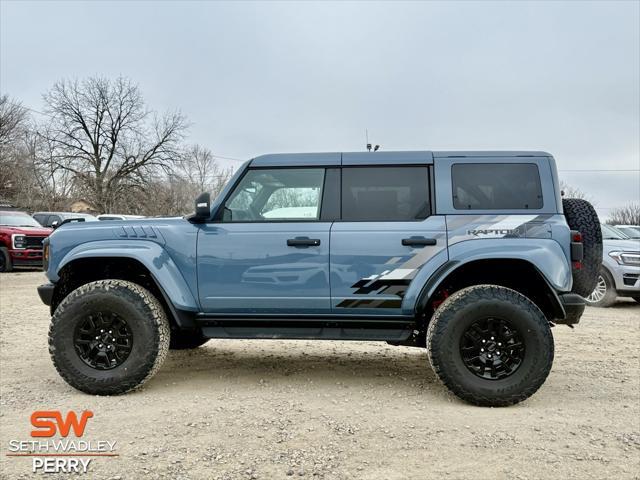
{"x": 604, "y": 295}
{"x": 5, "y": 260}
{"x": 490, "y": 345}
{"x": 581, "y": 216}
{"x": 108, "y": 337}
{"x": 186, "y": 340}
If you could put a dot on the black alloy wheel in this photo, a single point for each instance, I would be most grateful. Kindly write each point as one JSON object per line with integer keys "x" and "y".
{"x": 103, "y": 340}
{"x": 492, "y": 348}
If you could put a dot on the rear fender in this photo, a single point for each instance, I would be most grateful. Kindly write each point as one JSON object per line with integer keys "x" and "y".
{"x": 545, "y": 255}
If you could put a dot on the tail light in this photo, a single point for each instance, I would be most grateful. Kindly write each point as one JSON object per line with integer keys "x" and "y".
{"x": 577, "y": 250}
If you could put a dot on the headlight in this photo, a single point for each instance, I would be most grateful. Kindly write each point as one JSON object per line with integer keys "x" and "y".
{"x": 626, "y": 258}
{"x": 19, "y": 241}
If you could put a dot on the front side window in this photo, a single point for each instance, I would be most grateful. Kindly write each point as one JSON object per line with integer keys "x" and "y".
{"x": 496, "y": 186}
{"x": 385, "y": 193}
{"x": 278, "y": 194}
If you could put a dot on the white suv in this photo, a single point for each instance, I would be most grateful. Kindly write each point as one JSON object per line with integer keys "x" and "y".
{"x": 620, "y": 271}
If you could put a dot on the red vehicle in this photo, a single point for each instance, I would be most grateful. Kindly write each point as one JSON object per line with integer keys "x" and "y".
{"x": 21, "y": 240}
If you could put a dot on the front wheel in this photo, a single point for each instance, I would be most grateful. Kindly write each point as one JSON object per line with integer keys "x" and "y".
{"x": 5, "y": 260}
{"x": 108, "y": 337}
{"x": 490, "y": 345}
{"x": 604, "y": 294}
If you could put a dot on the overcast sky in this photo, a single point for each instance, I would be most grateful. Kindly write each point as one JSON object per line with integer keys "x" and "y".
{"x": 285, "y": 77}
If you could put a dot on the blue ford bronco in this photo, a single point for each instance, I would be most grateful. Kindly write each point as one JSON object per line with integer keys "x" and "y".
{"x": 472, "y": 255}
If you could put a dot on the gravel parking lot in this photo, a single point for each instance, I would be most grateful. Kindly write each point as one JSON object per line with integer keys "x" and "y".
{"x": 300, "y": 409}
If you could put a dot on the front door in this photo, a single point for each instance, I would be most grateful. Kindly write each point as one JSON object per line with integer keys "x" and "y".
{"x": 270, "y": 251}
{"x": 386, "y": 235}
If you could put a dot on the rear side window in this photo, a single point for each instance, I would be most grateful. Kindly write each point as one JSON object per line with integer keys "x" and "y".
{"x": 385, "y": 193}
{"x": 496, "y": 186}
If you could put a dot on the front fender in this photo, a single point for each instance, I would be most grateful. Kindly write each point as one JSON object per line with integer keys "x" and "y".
{"x": 152, "y": 255}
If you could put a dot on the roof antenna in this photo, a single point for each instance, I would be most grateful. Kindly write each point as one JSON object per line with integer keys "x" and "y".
{"x": 366, "y": 131}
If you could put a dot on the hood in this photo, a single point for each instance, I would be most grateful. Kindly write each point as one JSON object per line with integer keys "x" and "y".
{"x": 621, "y": 245}
{"x": 37, "y": 231}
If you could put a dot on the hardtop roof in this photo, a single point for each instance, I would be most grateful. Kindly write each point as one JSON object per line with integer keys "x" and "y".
{"x": 380, "y": 157}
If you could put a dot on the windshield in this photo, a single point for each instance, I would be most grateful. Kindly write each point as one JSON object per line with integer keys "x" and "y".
{"x": 631, "y": 232}
{"x": 87, "y": 216}
{"x": 17, "y": 220}
{"x": 611, "y": 233}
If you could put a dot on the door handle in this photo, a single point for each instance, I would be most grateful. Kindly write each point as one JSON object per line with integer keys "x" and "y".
{"x": 418, "y": 241}
{"x": 303, "y": 242}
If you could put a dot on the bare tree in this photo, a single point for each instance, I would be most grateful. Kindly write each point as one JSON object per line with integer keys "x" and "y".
{"x": 569, "y": 191}
{"x": 13, "y": 122}
{"x": 627, "y": 215}
{"x": 102, "y": 132}
{"x": 200, "y": 168}
{"x": 197, "y": 172}
{"x": 15, "y": 168}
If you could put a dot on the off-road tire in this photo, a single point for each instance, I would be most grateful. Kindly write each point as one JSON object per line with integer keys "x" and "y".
{"x": 462, "y": 309}
{"x": 186, "y": 340}
{"x": 581, "y": 216}
{"x": 610, "y": 295}
{"x": 5, "y": 260}
{"x": 146, "y": 319}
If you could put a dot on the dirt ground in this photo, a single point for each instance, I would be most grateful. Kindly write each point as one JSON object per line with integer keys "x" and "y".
{"x": 301, "y": 409}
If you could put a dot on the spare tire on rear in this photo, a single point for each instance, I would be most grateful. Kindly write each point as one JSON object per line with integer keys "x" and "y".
{"x": 581, "y": 216}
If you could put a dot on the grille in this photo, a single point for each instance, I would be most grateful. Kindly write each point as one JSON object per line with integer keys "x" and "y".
{"x": 34, "y": 242}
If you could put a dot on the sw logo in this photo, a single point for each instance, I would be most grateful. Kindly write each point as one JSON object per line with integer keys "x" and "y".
{"x": 47, "y": 423}
{"x": 69, "y": 452}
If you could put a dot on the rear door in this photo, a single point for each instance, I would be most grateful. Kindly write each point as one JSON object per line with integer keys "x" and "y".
{"x": 386, "y": 233}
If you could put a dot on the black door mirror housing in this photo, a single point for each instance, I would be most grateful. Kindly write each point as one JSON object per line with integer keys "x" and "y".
{"x": 203, "y": 208}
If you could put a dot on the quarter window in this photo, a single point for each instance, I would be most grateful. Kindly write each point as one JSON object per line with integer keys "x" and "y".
{"x": 385, "y": 193}
{"x": 496, "y": 186}
{"x": 276, "y": 195}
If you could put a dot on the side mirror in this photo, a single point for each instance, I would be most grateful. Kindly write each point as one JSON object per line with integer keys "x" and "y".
{"x": 203, "y": 208}
{"x": 54, "y": 224}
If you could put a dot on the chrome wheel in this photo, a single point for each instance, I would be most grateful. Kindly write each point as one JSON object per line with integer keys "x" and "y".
{"x": 599, "y": 292}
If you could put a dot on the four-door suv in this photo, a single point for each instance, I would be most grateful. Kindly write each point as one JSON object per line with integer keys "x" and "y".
{"x": 21, "y": 240}
{"x": 470, "y": 254}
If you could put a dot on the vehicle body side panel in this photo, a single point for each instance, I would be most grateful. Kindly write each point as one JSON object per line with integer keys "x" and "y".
{"x": 545, "y": 254}
{"x": 166, "y": 247}
{"x": 370, "y": 268}
{"x": 248, "y": 267}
